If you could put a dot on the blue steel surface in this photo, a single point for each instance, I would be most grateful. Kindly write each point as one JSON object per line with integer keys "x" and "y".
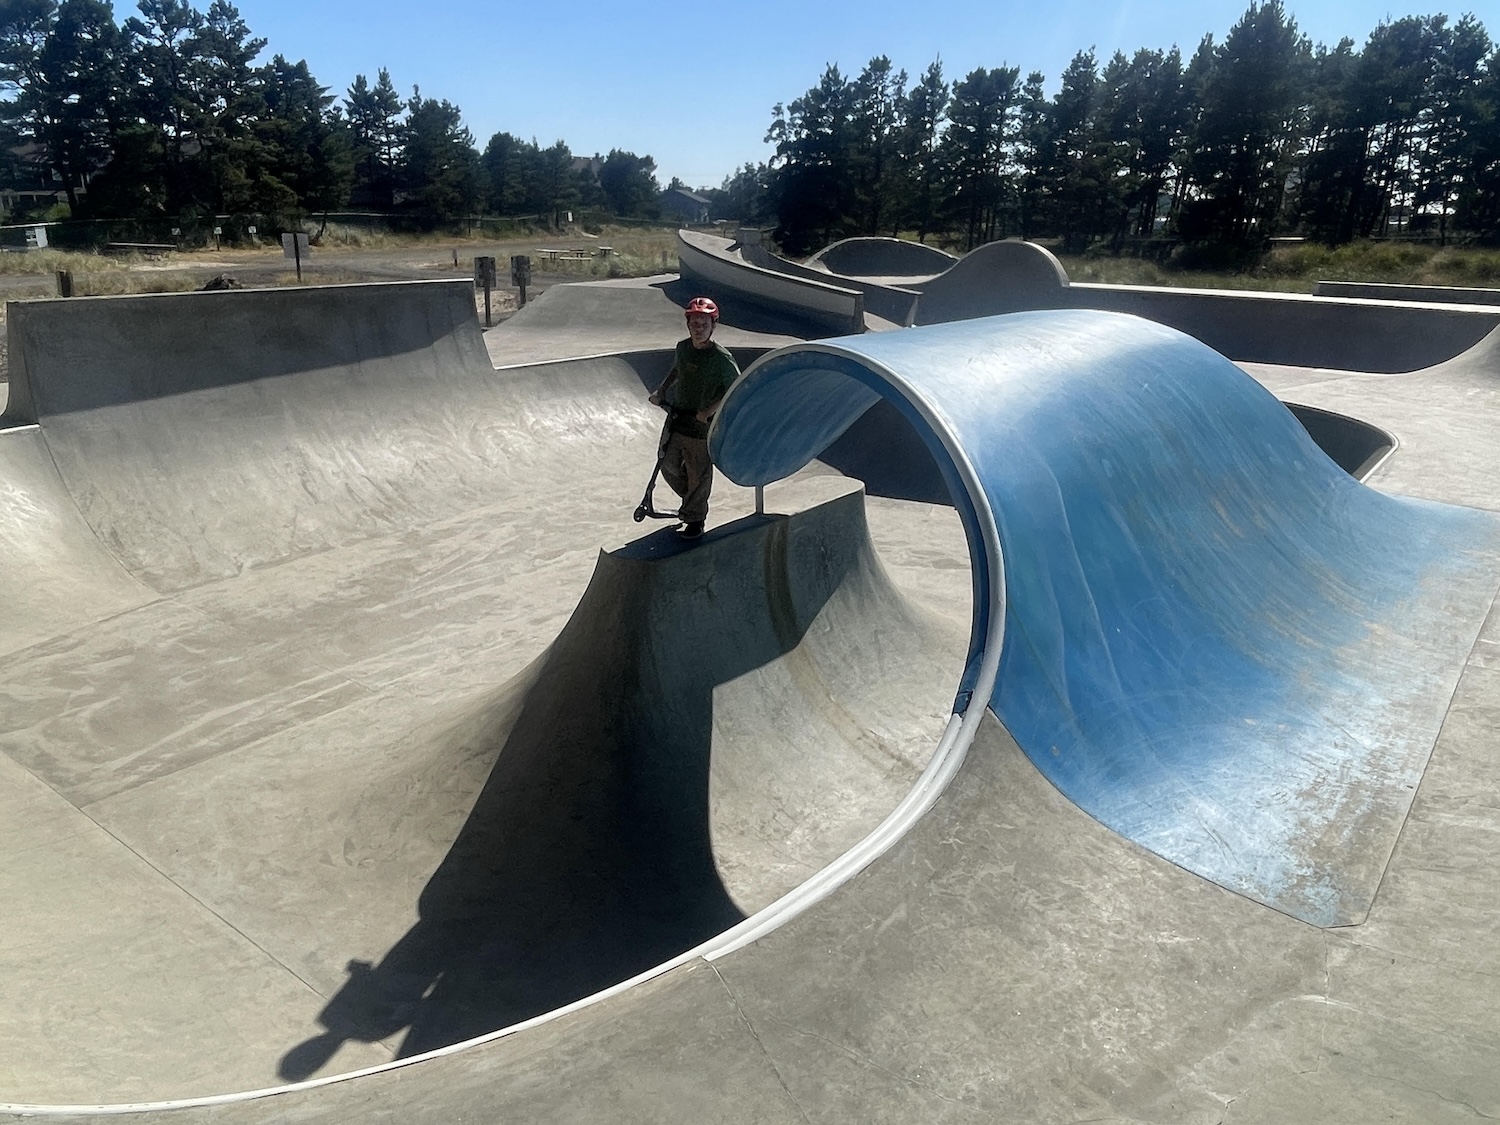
{"x": 1216, "y": 642}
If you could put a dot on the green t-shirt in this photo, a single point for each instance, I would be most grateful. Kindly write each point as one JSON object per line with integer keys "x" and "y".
{"x": 704, "y": 375}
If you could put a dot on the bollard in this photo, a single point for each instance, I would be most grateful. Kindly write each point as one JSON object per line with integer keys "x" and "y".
{"x": 484, "y": 275}
{"x": 520, "y": 274}
{"x": 64, "y": 283}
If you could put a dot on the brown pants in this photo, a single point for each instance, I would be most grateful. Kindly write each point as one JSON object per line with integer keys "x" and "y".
{"x": 685, "y": 466}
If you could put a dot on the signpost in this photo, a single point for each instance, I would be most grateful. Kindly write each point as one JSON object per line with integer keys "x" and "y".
{"x": 520, "y": 275}
{"x": 294, "y": 246}
{"x": 484, "y": 275}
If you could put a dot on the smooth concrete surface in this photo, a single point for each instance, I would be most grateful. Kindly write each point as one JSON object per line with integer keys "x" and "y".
{"x": 877, "y": 257}
{"x": 1265, "y": 723}
{"x": 292, "y": 777}
{"x": 1009, "y": 960}
{"x": 1287, "y": 328}
{"x": 999, "y": 277}
{"x": 714, "y": 266}
{"x": 1253, "y": 327}
{"x": 630, "y": 314}
{"x": 59, "y": 576}
{"x": 888, "y": 302}
{"x": 1013, "y": 961}
{"x": 1443, "y": 417}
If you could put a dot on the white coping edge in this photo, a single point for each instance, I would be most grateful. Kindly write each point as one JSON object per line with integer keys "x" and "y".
{"x": 1381, "y": 460}
{"x": 1384, "y": 457}
{"x": 947, "y": 758}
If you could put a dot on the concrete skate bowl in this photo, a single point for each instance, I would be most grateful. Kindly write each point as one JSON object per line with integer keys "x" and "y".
{"x": 882, "y": 257}
{"x": 1214, "y": 642}
{"x": 330, "y": 735}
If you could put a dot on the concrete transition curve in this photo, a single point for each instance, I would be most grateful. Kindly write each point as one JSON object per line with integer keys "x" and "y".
{"x": 1269, "y": 647}
{"x": 881, "y": 257}
{"x": 315, "y": 678}
{"x": 299, "y": 600}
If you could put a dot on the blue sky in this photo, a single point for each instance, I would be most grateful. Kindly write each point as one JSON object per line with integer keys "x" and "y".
{"x": 692, "y": 84}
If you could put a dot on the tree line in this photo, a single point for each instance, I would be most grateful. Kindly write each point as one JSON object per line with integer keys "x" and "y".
{"x": 1258, "y": 135}
{"x": 168, "y": 115}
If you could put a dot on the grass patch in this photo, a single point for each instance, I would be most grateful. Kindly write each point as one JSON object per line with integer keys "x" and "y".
{"x": 1296, "y": 269}
{"x": 1134, "y": 271}
{"x": 43, "y": 262}
{"x": 634, "y": 253}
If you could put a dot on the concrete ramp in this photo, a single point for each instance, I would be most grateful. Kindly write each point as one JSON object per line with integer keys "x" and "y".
{"x": 1480, "y": 363}
{"x": 58, "y": 575}
{"x": 266, "y": 817}
{"x": 633, "y": 314}
{"x": 1216, "y": 641}
{"x": 882, "y": 257}
{"x": 1270, "y": 328}
{"x": 716, "y": 267}
{"x": 713, "y": 725}
{"x": 171, "y": 423}
{"x": 998, "y": 277}
{"x": 319, "y": 744}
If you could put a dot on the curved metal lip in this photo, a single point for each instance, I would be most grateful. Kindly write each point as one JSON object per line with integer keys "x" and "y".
{"x": 947, "y": 759}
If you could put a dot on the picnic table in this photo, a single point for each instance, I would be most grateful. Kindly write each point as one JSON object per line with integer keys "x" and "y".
{"x": 546, "y": 255}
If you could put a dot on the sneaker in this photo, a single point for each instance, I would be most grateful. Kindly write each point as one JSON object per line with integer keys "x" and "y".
{"x": 691, "y": 530}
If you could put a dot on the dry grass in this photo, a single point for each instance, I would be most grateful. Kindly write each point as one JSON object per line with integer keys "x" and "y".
{"x": 1295, "y": 269}
{"x": 45, "y": 262}
{"x": 634, "y": 252}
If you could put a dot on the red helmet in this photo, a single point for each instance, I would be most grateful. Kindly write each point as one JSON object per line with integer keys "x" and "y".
{"x": 702, "y": 305}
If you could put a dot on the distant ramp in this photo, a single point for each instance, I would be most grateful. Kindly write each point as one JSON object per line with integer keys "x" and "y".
{"x": 1216, "y": 642}
{"x": 882, "y": 257}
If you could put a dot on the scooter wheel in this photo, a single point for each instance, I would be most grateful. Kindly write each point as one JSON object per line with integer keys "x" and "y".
{"x": 640, "y": 514}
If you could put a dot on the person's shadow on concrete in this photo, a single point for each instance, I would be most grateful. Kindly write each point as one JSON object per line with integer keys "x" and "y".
{"x": 587, "y": 856}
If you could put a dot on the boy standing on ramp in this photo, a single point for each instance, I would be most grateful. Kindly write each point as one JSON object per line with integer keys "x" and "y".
{"x": 702, "y": 373}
